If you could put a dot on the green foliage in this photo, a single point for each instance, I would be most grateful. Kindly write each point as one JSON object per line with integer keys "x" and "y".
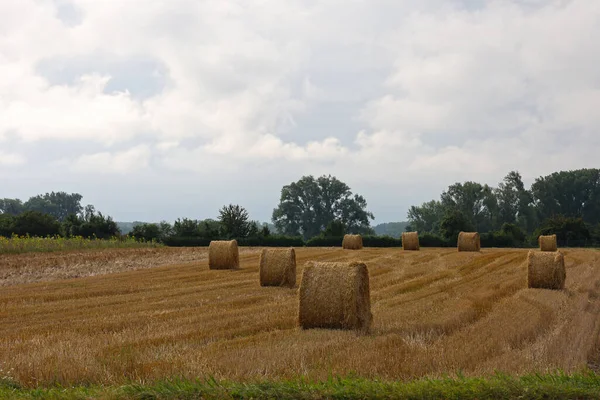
{"x": 568, "y": 230}
{"x": 307, "y": 206}
{"x": 7, "y": 224}
{"x": 58, "y": 204}
{"x": 573, "y": 194}
{"x": 272, "y": 241}
{"x": 34, "y": 223}
{"x": 234, "y": 222}
{"x": 11, "y": 206}
{"x": 433, "y": 240}
{"x": 499, "y": 386}
{"x": 27, "y": 244}
{"x": 426, "y": 217}
{"x": 335, "y": 228}
{"x": 324, "y": 241}
{"x": 91, "y": 225}
{"x": 381, "y": 241}
{"x": 453, "y": 223}
{"x": 147, "y": 232}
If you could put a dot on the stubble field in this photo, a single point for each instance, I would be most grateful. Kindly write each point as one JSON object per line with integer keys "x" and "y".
{"x": 436, "y": 312}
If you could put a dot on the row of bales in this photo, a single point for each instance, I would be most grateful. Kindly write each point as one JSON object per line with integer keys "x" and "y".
{"x": 336, "y": 295}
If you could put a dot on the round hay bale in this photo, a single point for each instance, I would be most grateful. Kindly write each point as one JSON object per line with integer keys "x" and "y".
{"x": 277, "y": 267}
{"x": 352, "y": 242}
{"x": 546, "y": 270}
{"x": 548, "y": 243}
{"x": 223, "y": 254}
{"x": 335, "y": 295}
{"x": 469, "y": 241}
{"x": 410, "y": 241}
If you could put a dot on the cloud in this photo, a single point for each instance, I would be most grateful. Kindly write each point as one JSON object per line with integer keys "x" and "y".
{"x": 7, "y": 159}
{"x": 382, "y": 94}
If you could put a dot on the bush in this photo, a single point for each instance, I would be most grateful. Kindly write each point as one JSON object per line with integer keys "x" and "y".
{"x": 272, "y": 241}
{"x": 381, "y": 241}
{"x": 186, "y": 241}
{"x": 146, "y": 232}
{"x": 34, "y": 223}
{"x": 432, "y": 240}
{"x": 7, "y": 225}
{"x": 325, "y": 241}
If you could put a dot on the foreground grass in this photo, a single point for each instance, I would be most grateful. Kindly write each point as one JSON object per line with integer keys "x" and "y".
{"x": 549, "y": 386}
{"x": 26, "y": 244}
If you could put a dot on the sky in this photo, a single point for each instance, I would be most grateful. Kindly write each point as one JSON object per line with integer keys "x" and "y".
{"x": 154, "y": 110}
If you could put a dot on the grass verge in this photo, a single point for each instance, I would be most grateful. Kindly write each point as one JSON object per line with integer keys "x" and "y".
{"x": 548, "y": 386}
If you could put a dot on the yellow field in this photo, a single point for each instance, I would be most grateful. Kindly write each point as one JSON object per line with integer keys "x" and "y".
{"x": 435, "y": 311}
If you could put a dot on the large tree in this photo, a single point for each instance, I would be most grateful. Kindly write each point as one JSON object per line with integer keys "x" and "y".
{"x": 308, "y": 206}
{"x": 515, "y": 203}
{"x": 58, "y": 204}
{"x": 574, "y": 194}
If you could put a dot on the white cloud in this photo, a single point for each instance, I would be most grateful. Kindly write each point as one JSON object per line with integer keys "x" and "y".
{"x": 443, "y": 91}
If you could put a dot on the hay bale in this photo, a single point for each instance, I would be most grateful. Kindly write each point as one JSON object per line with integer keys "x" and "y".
{"x": 336, "y": 296}
{"x": 548, "y": 243}
{"x": 469, "y": 241}
{"x": 223, "y": 254}
{"x": 410, "y": 241}
{"x": 277, "y": 267}
{"x": 352, "y": 242}
{"x": 546, "y": 270}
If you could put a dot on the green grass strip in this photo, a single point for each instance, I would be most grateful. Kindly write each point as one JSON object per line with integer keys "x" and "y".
{"x": 547, "y": 386}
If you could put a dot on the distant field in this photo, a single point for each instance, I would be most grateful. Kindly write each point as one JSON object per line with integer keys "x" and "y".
{"x": 436, "y": 312}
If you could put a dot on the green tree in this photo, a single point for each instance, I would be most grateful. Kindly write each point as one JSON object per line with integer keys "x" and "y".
{"x": 473, "y": 200}
{"x": 307, "y": 206}
{"x": 7, "y": 224}
{"x": 568, "y": 230}
{"x": 426, "y": 217}
{"x": 35, "y": 223}
{"x": 91, "y": 224}
{"x": 574, "y": 194}
{"x": 58, "y": 204}
{"x": 453, "y": 223}
{"x": 147, "y": 232}
{"x": 335, "y": 229}
{"x": 515, "y": 203}
{"x": 185, "y": 227}
{"x": 11, "y": 206}
{"x": 234, "y": 221}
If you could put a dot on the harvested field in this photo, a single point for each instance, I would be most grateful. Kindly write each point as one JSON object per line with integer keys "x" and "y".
{"x": 435, "y": 312}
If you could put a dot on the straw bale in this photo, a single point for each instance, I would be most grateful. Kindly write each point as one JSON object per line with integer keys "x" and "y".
{"x": 277, "y": 267}
{"x": 335, "y": 295}
{"x": 352, "y": 242}
{"x": 548, "y": 243}
{"x": 546, "y": 270}
{"x": 410, "y": 241}
{"x": 469, "y": 241}
{"x": 223, "y": 254}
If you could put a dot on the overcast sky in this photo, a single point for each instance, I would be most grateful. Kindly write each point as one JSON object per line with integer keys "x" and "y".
{"x": 157, "y": 109}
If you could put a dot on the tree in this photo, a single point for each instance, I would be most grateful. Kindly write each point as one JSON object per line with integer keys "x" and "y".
{"x": 566, "y": 229}
{"x": 473, "y": 200}
{"x": 7, "y": 224}
{"x": 515, "y": 203}
{"x": 186, "y": 228}
{"x": 427, "y": 217}
{"x": 335, "y": 229}
{"x": 35, "y": 223}
{"x": 58, "y": 204}
{"x": 453, "y": 223}
{"x": 146, "y": 232}
{"x": 11, "y": 206}
{"x": 91, "y": 224}
{"x": 574, "y": 194}
{"x": 234, "y": 221}
{"x": 307, "y": 206}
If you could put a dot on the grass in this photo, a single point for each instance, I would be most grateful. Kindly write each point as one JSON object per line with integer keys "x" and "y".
{"x": 27, "y": 244}
{"x": 548, "y": 386}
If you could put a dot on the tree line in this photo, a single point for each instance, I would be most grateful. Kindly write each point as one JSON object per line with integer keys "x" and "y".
{"x": 565, "y": 203}
{"x": 318, "y": 211}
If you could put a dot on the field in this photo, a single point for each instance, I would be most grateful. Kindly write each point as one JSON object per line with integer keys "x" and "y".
{"x": 436, "y": 312}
